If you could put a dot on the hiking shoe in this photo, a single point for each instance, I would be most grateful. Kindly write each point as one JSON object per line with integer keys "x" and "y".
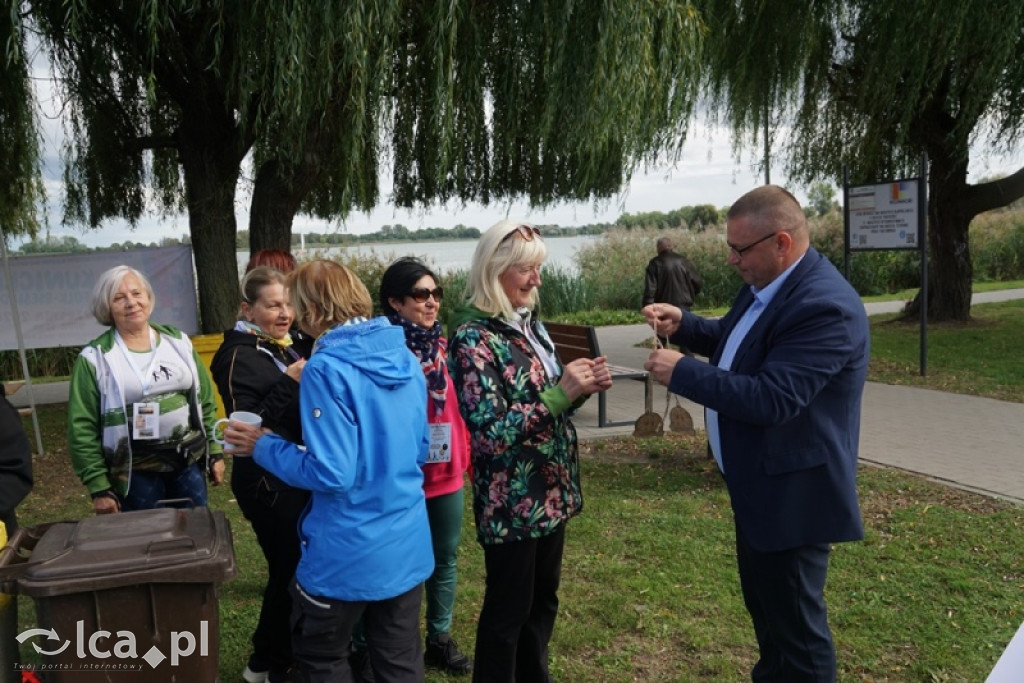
{"x": 251, "y": 676}
{"x": 443, "y": 653}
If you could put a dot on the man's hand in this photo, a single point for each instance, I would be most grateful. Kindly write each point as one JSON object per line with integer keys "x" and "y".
{"x": 664, "y": 318}
{"x": 661, "y": 363}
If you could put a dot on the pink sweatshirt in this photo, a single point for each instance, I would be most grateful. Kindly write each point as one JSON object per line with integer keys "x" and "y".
{"x": 442, "y": 478}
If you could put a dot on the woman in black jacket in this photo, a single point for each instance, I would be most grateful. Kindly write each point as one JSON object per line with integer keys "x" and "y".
{"x": 15, "y": 463}
{"x": 257, "y": 369}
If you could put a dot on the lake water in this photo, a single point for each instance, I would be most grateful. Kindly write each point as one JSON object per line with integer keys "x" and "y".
{"x": 445, "y": 256}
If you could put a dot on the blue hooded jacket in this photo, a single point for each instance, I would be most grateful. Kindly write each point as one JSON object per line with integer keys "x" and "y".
{"x": 364, "y": 534}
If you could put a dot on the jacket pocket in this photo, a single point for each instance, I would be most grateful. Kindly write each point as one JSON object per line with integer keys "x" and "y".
{"x": 784, "y": 462}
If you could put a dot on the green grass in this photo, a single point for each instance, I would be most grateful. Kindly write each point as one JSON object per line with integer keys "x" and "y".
{"x": 649, "y": 587}
{"x": 908, "y": 294}
{"x": 981, "y": 357}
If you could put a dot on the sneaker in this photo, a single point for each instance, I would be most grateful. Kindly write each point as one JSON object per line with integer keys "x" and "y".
{"x": 443, "y": 653}
{"x": 251, "y": 676}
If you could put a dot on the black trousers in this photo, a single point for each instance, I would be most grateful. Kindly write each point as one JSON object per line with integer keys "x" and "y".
{"x": 785, "y": 595}
{"x": 322, "y": 632}
{"x": 519, "y": 610}
{"x": 273, "y": 509}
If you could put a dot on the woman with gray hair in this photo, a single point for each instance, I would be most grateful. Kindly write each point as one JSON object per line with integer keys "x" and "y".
{"x": 141, "y": 405}
{"x": 516, "y": 398}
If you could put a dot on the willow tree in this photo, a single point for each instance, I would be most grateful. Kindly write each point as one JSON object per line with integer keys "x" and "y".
{"x": 20, "y": 183}
{"x": 873, "y": 84}
{"x": 462, "y": 100}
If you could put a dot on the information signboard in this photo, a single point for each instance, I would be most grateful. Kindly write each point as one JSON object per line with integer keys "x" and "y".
{"x": 884, "y": 216}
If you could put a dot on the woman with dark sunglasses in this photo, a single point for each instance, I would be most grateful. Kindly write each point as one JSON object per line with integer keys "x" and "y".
{"x": 410, "y": 297}
{"x": 516, "y": 397}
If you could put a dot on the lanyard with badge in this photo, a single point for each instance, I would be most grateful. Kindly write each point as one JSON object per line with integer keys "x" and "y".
{"x": 145, "y": 414}
{"x": 440, "y": 443}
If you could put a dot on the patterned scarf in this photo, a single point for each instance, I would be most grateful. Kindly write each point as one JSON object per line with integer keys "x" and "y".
{"x": 429, "y": 348}
{"x": 284, "y": 343}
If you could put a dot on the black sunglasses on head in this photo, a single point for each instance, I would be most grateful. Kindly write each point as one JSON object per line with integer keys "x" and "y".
{"x": 525, "y": 232}
{"x": 421, "y": 294}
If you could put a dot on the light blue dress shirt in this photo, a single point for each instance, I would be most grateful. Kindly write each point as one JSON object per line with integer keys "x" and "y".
{"x": 762, "y": 298}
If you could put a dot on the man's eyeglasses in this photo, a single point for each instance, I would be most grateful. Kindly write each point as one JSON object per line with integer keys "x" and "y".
{"x": 525, "y": 232}
{"x": 421, "y": 294}
{"x": 740, "y": 251}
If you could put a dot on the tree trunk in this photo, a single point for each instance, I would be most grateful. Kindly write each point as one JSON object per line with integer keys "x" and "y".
{"x": 211, "y": 174}
{"x": 273, "y": 208}
{"x": 281, "y": 186}
{"x": 950, "y": 271}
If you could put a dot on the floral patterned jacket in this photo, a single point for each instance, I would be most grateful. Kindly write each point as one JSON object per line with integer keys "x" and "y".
{"x": 526, "y": 480}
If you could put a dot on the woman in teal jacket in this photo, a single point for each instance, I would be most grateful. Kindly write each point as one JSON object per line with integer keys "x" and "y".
{"x": 365, "y": 537}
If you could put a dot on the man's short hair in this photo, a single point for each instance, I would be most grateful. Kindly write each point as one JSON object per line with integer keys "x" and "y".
{"x": 664, "y": 244}
{"x": 770, "y": 207}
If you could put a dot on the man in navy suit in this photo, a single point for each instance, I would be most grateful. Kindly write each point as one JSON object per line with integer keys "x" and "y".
{"x": 783, "y": 397}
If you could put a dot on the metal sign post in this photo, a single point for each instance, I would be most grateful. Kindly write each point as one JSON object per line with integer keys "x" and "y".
{"x": 892, "y": 215}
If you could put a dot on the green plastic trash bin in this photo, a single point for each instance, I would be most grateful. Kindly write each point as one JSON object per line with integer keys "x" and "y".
{"x": 132, "y": 592}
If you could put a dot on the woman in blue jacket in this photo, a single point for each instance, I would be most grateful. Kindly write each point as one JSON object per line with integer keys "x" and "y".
{"x": 365, "y": 537}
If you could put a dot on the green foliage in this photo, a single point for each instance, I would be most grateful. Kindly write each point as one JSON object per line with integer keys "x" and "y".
{"x": 462, "y": 100}
{"x": 997, "y": 246}
{"x": 21, "y": 186}
{"x": 53, "y": 245}
{"x": 613, "y": 267}
{"x": 859, "y": 88}
{"x": 563, "y": 290}
{"x": 871, "y": 272}
{"x": 822, "y": 198}
{"x": 48, "y": 363}
{"x": 598, "y": 317}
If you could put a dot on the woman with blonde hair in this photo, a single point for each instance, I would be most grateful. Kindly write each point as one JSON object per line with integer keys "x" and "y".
{"x": 516, "y": 398}
{"x": 365, "y": 537}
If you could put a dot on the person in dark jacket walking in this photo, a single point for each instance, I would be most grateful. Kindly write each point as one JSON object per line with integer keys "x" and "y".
{"x": 670, "y": 278}
{"x": 257, "y": 369}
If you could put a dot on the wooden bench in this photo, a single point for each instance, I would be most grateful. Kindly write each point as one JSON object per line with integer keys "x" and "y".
{"x": 13, "y": 387}
{"x": 580, "y": 341}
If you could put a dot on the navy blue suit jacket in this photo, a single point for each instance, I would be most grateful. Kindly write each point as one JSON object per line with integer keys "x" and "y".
{"x": 789, "y": 409}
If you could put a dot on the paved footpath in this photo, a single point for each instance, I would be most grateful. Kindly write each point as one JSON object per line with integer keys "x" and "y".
{"x": 966, "y": 441}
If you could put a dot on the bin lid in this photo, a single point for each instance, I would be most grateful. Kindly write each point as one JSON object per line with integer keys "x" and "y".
{"x": 146, "y": 546}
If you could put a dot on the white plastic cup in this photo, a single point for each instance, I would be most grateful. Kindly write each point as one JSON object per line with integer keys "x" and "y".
{"x": 237, "y": 416}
